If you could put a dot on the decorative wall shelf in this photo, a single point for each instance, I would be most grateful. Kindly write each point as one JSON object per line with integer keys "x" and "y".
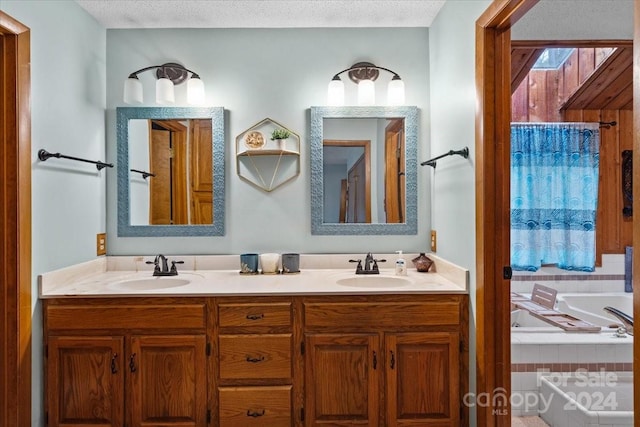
{"x": 265, "y": 163}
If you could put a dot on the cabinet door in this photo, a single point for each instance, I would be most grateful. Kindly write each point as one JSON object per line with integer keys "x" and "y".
{"x": 342, "y": 375}
{"x": 422, "y": 378}
{"x": 168, "y": 380}
{"x": 85, "y": 381}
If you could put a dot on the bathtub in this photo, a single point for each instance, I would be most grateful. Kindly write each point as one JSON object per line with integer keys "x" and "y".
{"x": 587, "y": 400}
{"x": 589, "y": 307}
{"x": 586, "y": 306}
{"x": 522, "y": 321}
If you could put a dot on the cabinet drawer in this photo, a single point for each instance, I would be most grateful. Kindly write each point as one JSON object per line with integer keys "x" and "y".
{"x": 255, "y": 356}
{"x": 69, "y": 317}
{"x": 268, "y": 314}
{"x": 255, "y": 406}
{"x": 382, "y": 315}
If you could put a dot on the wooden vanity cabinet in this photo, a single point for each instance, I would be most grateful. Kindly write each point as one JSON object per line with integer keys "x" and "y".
{"x": 255, "y": 338}
{"x": 125, "y": 362}
{"x": 385, "y": 361}
{"x": 376, "y": 360}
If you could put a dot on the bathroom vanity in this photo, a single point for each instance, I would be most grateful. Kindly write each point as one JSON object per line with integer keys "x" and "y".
{"x": 282, "y": 353}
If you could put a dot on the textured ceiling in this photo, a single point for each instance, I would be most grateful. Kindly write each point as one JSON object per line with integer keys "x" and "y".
{"x": 262, "y": 13}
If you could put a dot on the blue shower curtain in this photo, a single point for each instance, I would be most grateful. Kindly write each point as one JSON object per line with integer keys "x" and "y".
{"x": 554, "y": 195}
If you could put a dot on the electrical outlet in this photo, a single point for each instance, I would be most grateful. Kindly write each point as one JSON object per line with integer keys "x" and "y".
{"x": 433, "y": 240}
{"x": 101, "y": 244}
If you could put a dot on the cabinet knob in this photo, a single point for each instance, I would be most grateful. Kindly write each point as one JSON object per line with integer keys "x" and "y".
{"x": 254, "y": 414}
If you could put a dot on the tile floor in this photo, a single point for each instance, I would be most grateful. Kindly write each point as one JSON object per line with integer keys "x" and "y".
{"x": 528, "y": 422}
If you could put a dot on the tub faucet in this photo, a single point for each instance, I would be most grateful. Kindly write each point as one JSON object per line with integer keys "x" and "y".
{"x": 162, "y": 266}
{"x": 627, "y": 321}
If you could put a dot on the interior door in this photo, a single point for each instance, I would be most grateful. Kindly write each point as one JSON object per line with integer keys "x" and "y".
{"x": 160, "y": 157}
{"x": 356, "y": 193}
{"x": 200, "y": 166}
{"x": 394, "y": 201}
{"x": 167, "y": 157}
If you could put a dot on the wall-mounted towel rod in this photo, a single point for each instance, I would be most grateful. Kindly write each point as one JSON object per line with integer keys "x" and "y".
{"x": 145, "y": 175}
{"x": 432, "y": 162}
{"x": 607, "y": 125}
{"x": 45, "y": 155}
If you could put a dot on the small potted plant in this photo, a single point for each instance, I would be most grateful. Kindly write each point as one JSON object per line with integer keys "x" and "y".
{"x": 280, "y": 136}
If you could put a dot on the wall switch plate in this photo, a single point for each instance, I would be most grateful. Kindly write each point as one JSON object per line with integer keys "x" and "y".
{"x": 101, "y": 244}
{"x": 433, "y": 241}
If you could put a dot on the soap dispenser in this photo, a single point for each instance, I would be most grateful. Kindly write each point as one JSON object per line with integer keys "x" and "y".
{"x": 401, "y": 265}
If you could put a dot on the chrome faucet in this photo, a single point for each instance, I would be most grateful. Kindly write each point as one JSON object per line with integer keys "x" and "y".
{"x": 162, "y": 266}
{"x": 627, "y": 321}
{"x": 370, "y": 265}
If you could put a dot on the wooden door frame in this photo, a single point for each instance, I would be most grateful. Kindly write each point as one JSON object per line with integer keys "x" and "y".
{"x": 493, "y": 117}
{"x": 366, "y": 144}
{"x": 636, "y": 200}
{"x": 15, "y": 223}
{"x": 367, "y": 189}
{"x": 179, "y": 199}
{"x": 493, "y": 58}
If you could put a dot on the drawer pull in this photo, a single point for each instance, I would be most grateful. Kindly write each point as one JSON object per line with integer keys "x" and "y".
{"x": 132, "y": 363}
{"x": 114, "y": 367}
{"x": 393, "y": 360}
{"x": 255, "y": 359}
{"x": 255, "y": 316}
{"x": 375, "y": 360}
{"x": 254, "y": 414}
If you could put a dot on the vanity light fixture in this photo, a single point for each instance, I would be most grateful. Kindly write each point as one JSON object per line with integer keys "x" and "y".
{"x": 364, "y": 74}
{"x": 168, "y": 75}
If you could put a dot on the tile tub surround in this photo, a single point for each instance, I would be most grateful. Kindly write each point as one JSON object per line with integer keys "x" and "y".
{"x": 605, "y": 401}
{"x": 219, "y": 275}
{"x": 554, "y": 351}
{"x": 607, "y": 278}
{"x": 535, "y": 354}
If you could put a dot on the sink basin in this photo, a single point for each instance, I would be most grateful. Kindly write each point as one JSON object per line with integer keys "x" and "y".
{"x": 374, "y": 281}
{"x": 152, "y": 283}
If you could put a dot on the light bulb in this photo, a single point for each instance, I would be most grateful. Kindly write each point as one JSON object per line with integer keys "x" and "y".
{"x": 366, "y": 92}
{"x": 132, "y": 91}
{"x": 395, "y": 92}
{"x": 164, "y": 91}
{"x": 195, "y": 91}
{"x": 335, "y": 96}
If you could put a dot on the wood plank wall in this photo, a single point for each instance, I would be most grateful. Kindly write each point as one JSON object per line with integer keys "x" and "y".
{"x": 539, "y": 99}
{"x": 542, "y": 93}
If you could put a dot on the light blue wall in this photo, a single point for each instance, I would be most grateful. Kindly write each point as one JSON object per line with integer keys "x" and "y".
{"x": 68, "y": 49}
{"x": 453, "y": 101}
{"x": 275, "y": 73}
{"x": 254, "y": 74}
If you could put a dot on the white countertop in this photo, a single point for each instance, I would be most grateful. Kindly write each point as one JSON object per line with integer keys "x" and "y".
{"x": 94, "y": 279}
